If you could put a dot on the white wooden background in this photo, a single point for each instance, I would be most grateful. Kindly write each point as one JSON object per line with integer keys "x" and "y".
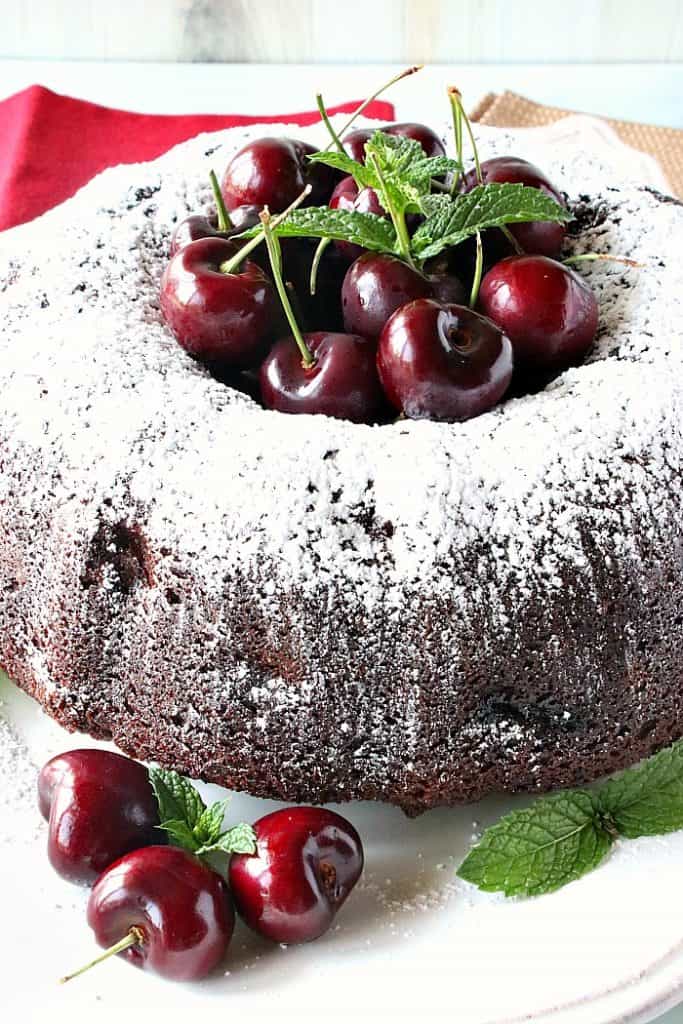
{"x": 344, "y": 31}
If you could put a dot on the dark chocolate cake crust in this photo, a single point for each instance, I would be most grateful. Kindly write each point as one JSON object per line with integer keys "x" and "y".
{"x": 314, "y": 610}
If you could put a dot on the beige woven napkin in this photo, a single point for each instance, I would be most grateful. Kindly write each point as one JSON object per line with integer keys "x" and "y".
{"x": 508, "y": 110}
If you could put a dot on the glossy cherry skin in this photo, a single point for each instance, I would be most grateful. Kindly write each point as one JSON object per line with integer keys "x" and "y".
{"x": 548, "y": 311}
{"x": 443, "y": 362}
{"x": 99, "y": 805}
{"x": 342, "y": 382}
{"x": 182, "y": 908}
{"x": 544, "y": 238}
{"x": 196, "y": 226}
{"x": 273, "y": 172}
{"x": 347, "y": 196}
{"x": 354, "y": 142}
{"x": 375, "y": 286}
{"x": 307, "y": 862}
{"x": 217, "y": 317}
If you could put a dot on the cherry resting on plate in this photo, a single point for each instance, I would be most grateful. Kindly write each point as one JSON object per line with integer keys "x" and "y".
{"x": 273, "y": 172}
{"x": 543, "y": 237}
{"x": 228, "y": 318}
{"x": 161, "y": 909}
{"x": 441, "y": 361}
{"x": 99, "y": 805}
{"x": 378, "y": 284}
{"x": 548, "y": 311}
{"x": 196, "y": 226}
{"x": 342, "y": 381}
{"x": 354, "y": 142}
{"x": 307, "y": 862}
{"x": 347, "y": 196}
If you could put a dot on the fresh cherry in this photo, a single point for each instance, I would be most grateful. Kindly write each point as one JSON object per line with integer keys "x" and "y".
{"x": 163, "y": 910}
{"x": 542, "y": 237}
{"x": 272, "y": 172}
{"x": 347, "y": 196}
{"x": 375, "y": 286}
{"x": 354, "y": 142}
{"x": 307, "y": 862}
{"x": 548, "y": 311}
{"x": 99, "y": 806}
{"x": 196, "y": 226}
{"x": 217, "y": 316}
{"x": 443, "y": 362}
{"x": 341, "y": 382}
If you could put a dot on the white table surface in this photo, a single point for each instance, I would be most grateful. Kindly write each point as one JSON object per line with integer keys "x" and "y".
{"x": 638, "y": 92}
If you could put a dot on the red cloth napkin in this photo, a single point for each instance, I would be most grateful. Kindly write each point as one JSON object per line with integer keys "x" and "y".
{"x": 51, "y": 145}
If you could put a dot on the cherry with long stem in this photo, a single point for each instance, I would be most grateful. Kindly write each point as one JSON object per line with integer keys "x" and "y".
{"x": 134, "y": 937}
{"x": 231, "y": 265}
{"x": 273, "y": 246}
{"x": 224, "y": 222}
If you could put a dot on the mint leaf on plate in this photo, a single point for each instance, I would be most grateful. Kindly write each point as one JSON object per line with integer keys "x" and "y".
{"x": 176, "y": 796}
{"x": 647, "y": 800}
{"x": 450, "y": 221}
{"x": 238, "y": 839}
{"x": 541, "y": 848}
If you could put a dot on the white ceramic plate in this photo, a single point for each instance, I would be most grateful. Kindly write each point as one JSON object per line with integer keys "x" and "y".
{"x": 412, "y": 943}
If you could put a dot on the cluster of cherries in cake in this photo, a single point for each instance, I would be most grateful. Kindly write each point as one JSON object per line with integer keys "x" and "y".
{"x": 384, "y": 337}
{"x": 163, "y": 908}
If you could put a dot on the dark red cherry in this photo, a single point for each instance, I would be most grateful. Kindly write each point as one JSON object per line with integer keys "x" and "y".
{"x": 347, "y": 196}
{"x": 354, "y": 142}
{"x": 176, "y": 909}
{"x": 443, "y": 362}
{"x": 218, "y": 317}
{"x": 273, "y": 172}
{"x": 99, "y": 805}
{"x": 540, "y": 237}
{"x": 375, "y": 286}
{"x": 545, "y": 308}
{"x": 307, "y": 862}
{"x": 342, "y": 382}
{"x": 196, "y": 226}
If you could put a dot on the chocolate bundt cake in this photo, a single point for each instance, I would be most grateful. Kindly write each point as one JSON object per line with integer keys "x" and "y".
{"x": 309, "y": 609}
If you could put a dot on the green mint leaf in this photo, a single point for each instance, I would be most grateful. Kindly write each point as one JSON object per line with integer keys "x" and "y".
{"x": 177, "y": 798}
{"x": 181, "y": 834}
{"x": 210, "y": 823}
{"x": 390, "y": 158}
{"x": 450, "y": 221}
{"x": 238, "y": 839}
{"x": 540, "y": 849}
{"x": 647, "y": 800}
{"x": 341, "y": 162}
{"x": 366, "y": 229}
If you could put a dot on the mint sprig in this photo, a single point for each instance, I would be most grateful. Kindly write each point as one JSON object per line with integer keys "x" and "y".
{"x": 192, "y": 825}
{"x": 562, "y": 837}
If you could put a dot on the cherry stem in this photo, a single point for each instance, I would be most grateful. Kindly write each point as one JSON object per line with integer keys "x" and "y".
{"x": 273, "y": 246}
{"x": 456, "y": 111}
{"x": 459, "y": 113}
{"x": 134, "y": 937}
{"x": 478, "y": 267}
{"x": 224, "y": 222}
{"x": 586, "y": 257}
{"x": 231, "y": 265}
{"x": 315, "y": 265}
{"x": 397, "y": 218}
{"x": 328, "y": 124}
{"x": 387, "y": 85}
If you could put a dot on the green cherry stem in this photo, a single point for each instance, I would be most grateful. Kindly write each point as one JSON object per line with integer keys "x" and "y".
{"x": 134, "y": 937}
{"x": 336, "y": 141}
{"x": 456, "y": 112}
{"x": 224, "y": 222}
{"x": 586, "y": 257}
{"x": 478, "y": 267}
{"x": 231, "y": 265}
{"x": 273, "y": 246}
{"x": 315, "y": 265}
{"x": 397, "y": 218}
{"x": 387, "y": 85}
